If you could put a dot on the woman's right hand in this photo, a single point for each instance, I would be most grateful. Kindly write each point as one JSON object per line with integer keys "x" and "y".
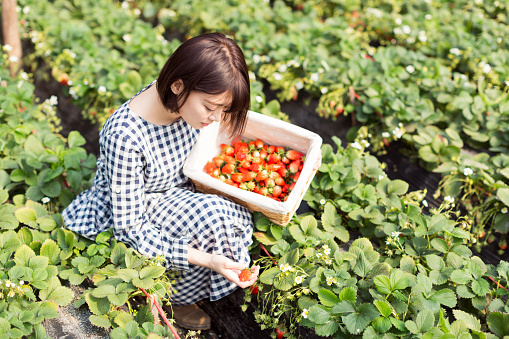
{"x": 231, "y": 270}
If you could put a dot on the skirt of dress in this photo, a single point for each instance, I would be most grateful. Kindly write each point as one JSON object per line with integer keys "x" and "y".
{"x": 210, "y": 223}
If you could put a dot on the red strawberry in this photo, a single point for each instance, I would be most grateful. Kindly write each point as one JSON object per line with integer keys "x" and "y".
{"x": 228, "y": 169}
{"x": 218, "y": 161}
{"x": 254, "y": 289}
{"x": 280, "y": 150}
{"x": 269, "y": 182}
{"x": 216, "y": 173}
{"x": 64, "y": 79}
{"x": 273, "y": 158}
{"x": 239, "y": 156}
{"x": 296, "y": 177}
{"x": 254, "y": 167}
{"x": 292, "y": 185}
{"x": 230, "y": 159}
{"x": 263, "y": 191}
{"x": 285, "y": 160}
{"x": 245, "y": 164}
{"x": 271, "y": 149}
{"x": 276, "y": 191}
{"x": 224, "y": 147}
{"x": 279, "y": 181}
{"x": 209, "y": 167}
{"x": 262, "y": 175}
{"x": 245, "y": 274}
{"x": 259, "y": 143}
{"x": 248, "y": 176}
{"x": 280, "y": 334}
{"x": 294, "y": 166}
{"x": 229, "y": 151}
{"x": 294, "y": 155}
{"x": 257, "y": 160}
{"x": 237, "y": 177}
{"x": 252, "y": 144}
{"x": 282, "y": 172}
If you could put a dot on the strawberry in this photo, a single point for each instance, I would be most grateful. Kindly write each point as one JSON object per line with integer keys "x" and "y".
{"x": 276, "y": 191}
{"x": 294, "y": 166}
{"x": 263, "y": 191}
{"x": 282, "y": 172}
{"x": 285, "y": 160}
{"x": 245, "y": 164}
{"x": 218, "y": 161}
{"x": 273, "y": 158}
{"x": 271, "y": 149}
{"x": 248, "y": 176}
{"x": 245, "y": 274}
{"x": 216, "y": 173}
{"x": 64, "y": 79}
{"x": 292, "y": 185}
{"x": 255, "y": 154}
{"x": 280, "y": 150}
{"x": 297, "y": 175}
{"x": 269, "y": 182}
{"x": 264, "y": 154}
{"x": 229, "y": 151}
{"x": 224, "y": 147}
{"x": 280, "y": 334}
{"x": 254, "y": 167}
{"x": 252, "y": 144}
{"x": 237, "y": 177}
{"x": 254, "y": 289}
{"x": 294, "y": 155}
{"x": 259, "y": 143}
{"x": 262, "y": 175}
{"x": 257, "y": 160}
{"x": 279, "y": 181}
{"x": 230, "y": 159}
{"x": 228, "y": 168}
{"x": 239, "y": 156}
{"x": 209, "y": 167}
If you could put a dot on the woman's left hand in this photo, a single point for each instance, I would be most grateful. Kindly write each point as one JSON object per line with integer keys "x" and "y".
{"x": 231, "y": 270}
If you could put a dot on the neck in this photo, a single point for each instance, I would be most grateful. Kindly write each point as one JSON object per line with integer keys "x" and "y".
{"x": 148, "y": 106}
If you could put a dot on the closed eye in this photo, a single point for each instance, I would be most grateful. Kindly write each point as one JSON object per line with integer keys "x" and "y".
{"x": 208, "y": 109}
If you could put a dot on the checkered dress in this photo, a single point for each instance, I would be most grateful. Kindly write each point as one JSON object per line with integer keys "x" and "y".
{"x": 140, "y": 191}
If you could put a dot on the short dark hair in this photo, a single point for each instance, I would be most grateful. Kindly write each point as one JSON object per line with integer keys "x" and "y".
{"x": 213, "y": 64}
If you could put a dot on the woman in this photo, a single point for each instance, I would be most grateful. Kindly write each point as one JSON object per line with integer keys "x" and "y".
{"x": 140, "y": 190}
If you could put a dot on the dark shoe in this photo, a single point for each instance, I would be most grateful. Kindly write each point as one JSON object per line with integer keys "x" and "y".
{"x": 190, "y": 317}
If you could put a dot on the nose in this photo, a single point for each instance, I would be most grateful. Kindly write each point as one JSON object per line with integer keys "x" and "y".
{"x": 214, "y": 116}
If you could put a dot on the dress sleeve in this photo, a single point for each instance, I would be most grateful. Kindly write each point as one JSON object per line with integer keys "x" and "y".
{"x": 124, "y": 164}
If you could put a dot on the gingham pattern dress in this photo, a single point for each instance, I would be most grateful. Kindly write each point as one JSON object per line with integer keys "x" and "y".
{"x": 140, "y": 191}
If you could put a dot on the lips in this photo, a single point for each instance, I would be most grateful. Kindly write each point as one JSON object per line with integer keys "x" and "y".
{"x": 204, "y": 125}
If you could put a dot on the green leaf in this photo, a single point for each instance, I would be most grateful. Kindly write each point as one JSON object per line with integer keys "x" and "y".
{"x": 425, "y": 320}
{"x": 470, "y": 321}
{"x": 118, "y": 253}
{"x": 27, "y": 216}
{"x": 503, "y": 195}
{"x": 127, "y": 274}
{"x": 152, "y": 272}
{"x": 348, "y": 293}
{"x": 383, "y": 307}
{"x": 499, "y": 324}
{"x": 345, "y": 306}
{"x": 399, "y": 280}
{"x": 480, "y": 287}
{"x": 75, "y": 139}
{"x": 355, "y": 323}
{"x": 319, "y": 314}
{"x": 383, "y": 284}
{"x": 143, "y": 283}
{"x": 327, "y": 329}
{"x": 97, "y": 306}
{"x": 100, "y": 320}
{"x": 61, "y": 295}
{"x": 381, "y": 324}
{"x": 327, "y": 298}
{"x": 268, "y": 276}
{"x": 46, "y": 223}
{"x": 103, "y": 291}
{"x": 264, "y": 238}
{"x": 118, "y": 299}
{"x": 461, "y": 276}
{"x": 446, "y": 297}
{"x": 23, "y": 255}
{"x": 34, "y": 145}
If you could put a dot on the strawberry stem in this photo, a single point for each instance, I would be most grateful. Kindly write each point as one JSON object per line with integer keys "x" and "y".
{"x": 161, "y": 312}
{"x": 267, "y": 252}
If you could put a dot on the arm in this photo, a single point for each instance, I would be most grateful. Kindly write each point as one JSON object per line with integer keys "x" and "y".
{"x": 222, "y": 265}
{"x": 124, "y": 164}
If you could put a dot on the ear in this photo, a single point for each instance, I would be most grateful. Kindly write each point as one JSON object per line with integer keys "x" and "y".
{"x": 177, "y": 87}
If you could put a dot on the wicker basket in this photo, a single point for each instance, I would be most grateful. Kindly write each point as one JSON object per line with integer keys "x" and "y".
{"x": 271, "y": 131}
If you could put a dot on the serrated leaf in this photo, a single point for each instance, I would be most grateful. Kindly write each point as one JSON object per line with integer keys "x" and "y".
{"x": 103, "y": 291}
{"x": 381, "y": 324}
{"x": 461, "y": 277}
{"x": 123, "y": 318}
{"x": 499, "y": 324}
{"x": 327, "y": 298}
{"x": 100, "y": 320}
{"x": 97, "y": 305}
{"x": 503, "y": 195}
{"x": 143, "y": 283}
{"x": 264, "y": 238}
{"x": 319, "y": 314}
{"x": 118, "y": 299}
{"x": 61, "y": 295}
{"x": 480, "y": 287}
{"x": 446, "y": 297}
{"x": 23, "y": 255}
{"x": 51, "y": 250}
{"x": 348, "y": 293}
{"x": 152, "y": 272}
{"x": 470, "y": 321}
{"x": 267, "y": 277}
{"x": 383, "y": 307}
{"x": 383, "y": 284}
{"x": 27, "y": 216}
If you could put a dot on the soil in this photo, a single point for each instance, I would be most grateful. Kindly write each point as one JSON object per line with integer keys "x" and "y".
{"x": 228, "y": 319}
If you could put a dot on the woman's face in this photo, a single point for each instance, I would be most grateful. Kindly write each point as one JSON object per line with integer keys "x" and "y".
{"x": 200, "y": 109}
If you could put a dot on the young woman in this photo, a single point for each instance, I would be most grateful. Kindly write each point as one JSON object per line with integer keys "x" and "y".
{"x": 140, "y": 191}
